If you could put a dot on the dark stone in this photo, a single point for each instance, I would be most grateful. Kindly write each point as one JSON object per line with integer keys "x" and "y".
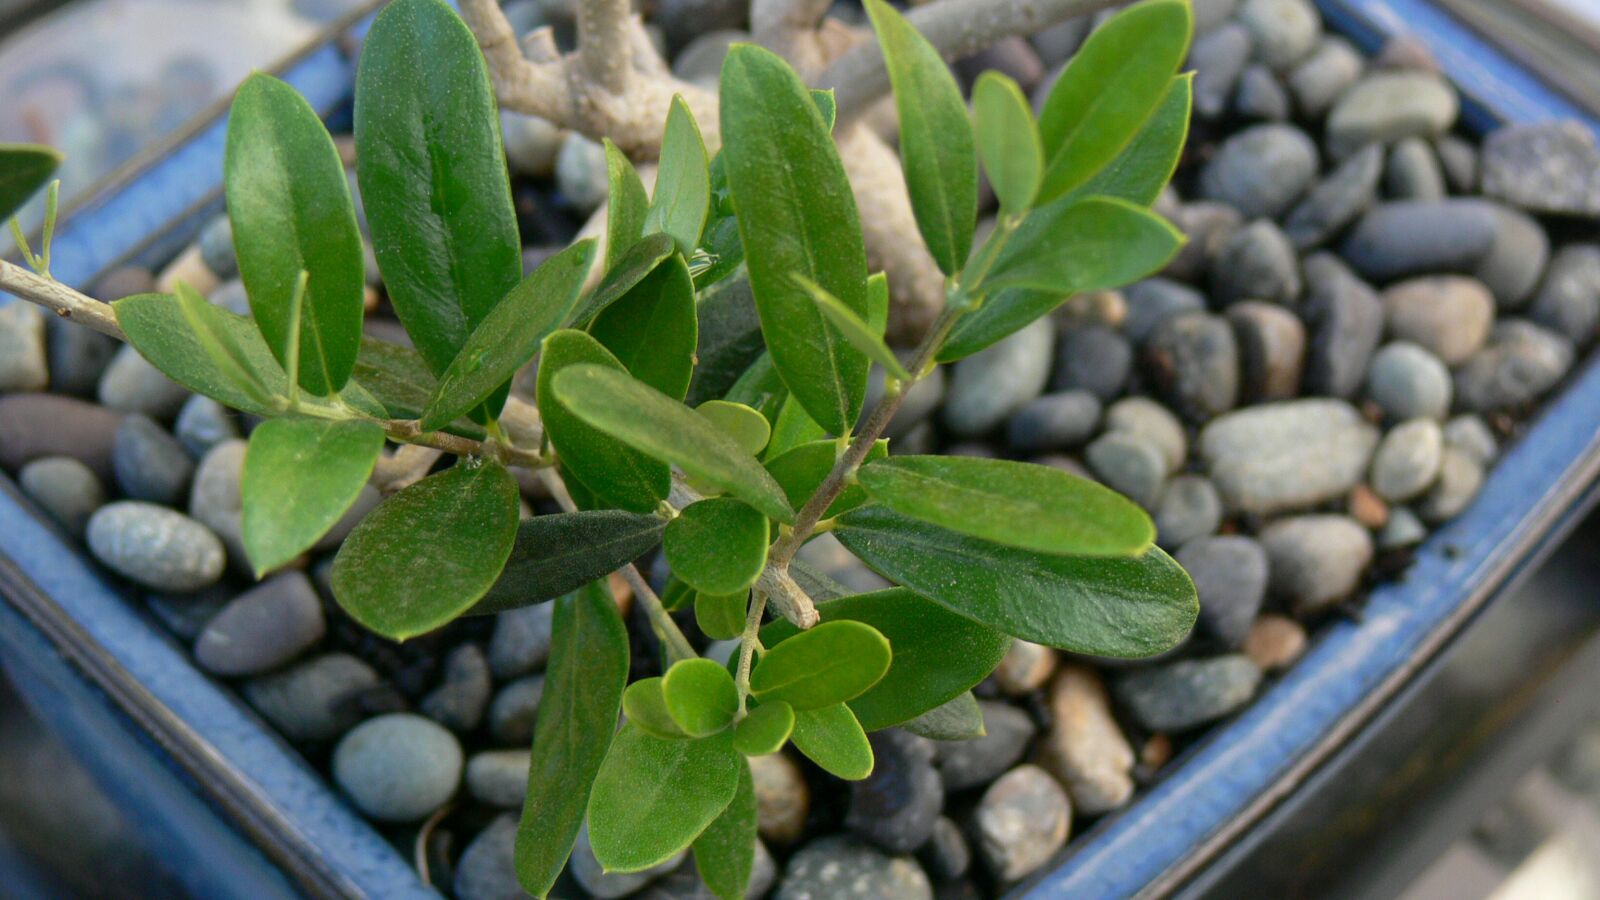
{"x": 1153, "y": 300}
{"x": 1272, "y": 349}
{"x": 149, "y": 463}
{"x": 1230, "y": 575}
{"x": 1261, "y": 170}
{"x": 38, "y": 425}
{"x": 1093, "y": 358}
{"x": 1345, "y": 318}
{"x": 1185, "y": 694}
{"x": 1521, "y": 362}
{"x": 969, "y": 764}
{"x": 263, "y": 628}
{"x": 897, "y": 805}
{"x": 1256, "y": 263}
{"x": 1194, "y": 360}
{"x": 1336, "y": 200}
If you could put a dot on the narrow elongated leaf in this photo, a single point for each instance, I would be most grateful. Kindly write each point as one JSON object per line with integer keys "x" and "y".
{"x": 433, "y": 176}
{"x": 1098, "y": 606}
{"x": 24, "y": 169}
{"x": 730, "y": 338}
{"x": 636, "y": 263}
{"x": 765, "y": 729}
{"x": 1087, "y": 245}
{"x": 725, "y": 853}
{"x": 289, "y": 203}
{"x": 1109, "y": 89}
{"x": 938, "y": 655}
{"x": 652, "y": 329}
{"x": 797, "y": 214}
{"x": 760, "y": 388}
{"x": 802, "y": 470}
{"x": 1025, "y": 505}
{"x": 653, "y": 796}
{"x": 878, "y": 302}
{"x": 718, "y": 545}
{"x": 626, "y": 204}
{"x": 582, "y": 692}
{"x": 158, "y": 327}
{"x": 652, "y": 423}
{"x": 1008, "y": 141}
{"x": 614, "y": 472}
{"x": 509, "y": 335}
{"x": 792, "y": 428}
{"x": 747, "y": 426}
{"x": 300, "y": 476}
{"x": 1145, "y": 166}
{"x": 228, "y": 348}
{"x": 857, "y": 332}
{"x": 683, "y": 183}
{"x": 700, "y": 696}
{"x": 936, "y": 150}
{"x": 1001, "y": 316}
{"x": 645, "y": 705}
{"x": 960, "y": 719}
{"x": 399, "y": 378}
{"x": 558, "y": 553}
{"x": 832, "y": 738}
{"x": 427, "y": 553}
{"x": 832, "y": 663}
{"x": 721, "y": 616}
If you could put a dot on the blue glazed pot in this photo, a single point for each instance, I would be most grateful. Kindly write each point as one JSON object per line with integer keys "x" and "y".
{"x": 240, "y": 814}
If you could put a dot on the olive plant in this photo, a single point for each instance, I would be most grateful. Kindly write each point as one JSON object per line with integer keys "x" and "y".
{"x": 704, "y": 395}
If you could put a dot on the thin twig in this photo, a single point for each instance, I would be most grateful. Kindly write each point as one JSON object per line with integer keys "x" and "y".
{"x": 59, "y": 299}
{"x": 748, "y": 641}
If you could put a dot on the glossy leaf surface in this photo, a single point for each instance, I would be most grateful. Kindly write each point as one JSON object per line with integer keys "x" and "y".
{"x": 557, "y": 553}
{"x": 829, "y": 664}
{"x": 300, "y": 476}
{"x": 802, "y": 470}
{"x": 1087, "y": 245}
{"x": 717, "y": 545}
{"x": 1008, "y": 141}
{"x": 765, "y": 729}
{"x": 682, "y": 197}
{"x": 653, "y": 330}
{"x": 832, "y": 738}
{"x": 626, "y": 204}
{"x": 654, "y": 796}
{"x": 700, "y": 696}
{"x": 645, "y": 705}
{"x": 24, "y": 169}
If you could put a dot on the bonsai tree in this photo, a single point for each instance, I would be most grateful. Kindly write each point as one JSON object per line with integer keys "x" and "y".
{"x": 644, "y": 427}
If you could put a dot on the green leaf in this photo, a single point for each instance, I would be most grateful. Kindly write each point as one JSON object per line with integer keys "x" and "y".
{"x": 635, "y": 265}
{"x": 655, "y": 424}
{"x": 159, "y": 327}
{"x": 721, "y": 616}
{"x": 683, "y": 183}
{"x": 802, "y": 470}
{"x": 428, "y": 552}
{"x": 558, "y": 553}
{"x": 765, "y": 729}
{"x": 938, "y": 655}
{"x": 858, "y": 333}
{"x": 300, "y": 476}
{"x": 653, "y": 796}
{"x": 24, "y": 169}
{"x": 797, "y": 214}
{"x": 819, "y": 586}
{"x": 1027, "y": 505}
{"x": 832, "y": 738}
{"x": 936, "y": 150}
{"x": 1008, "y": 141}
{"x": 730, "y": 338}
{"x": 433, "y": 176}
{"x": 760, "y": 388}
{"x": 1087, "y": 245}
{"x": 1000, "y": 316}
{"x": 700, "y": 696}
{"x": 832, "y": 663}
{"x": 725, "y": 853}
{"x": 626, "y": 204}
{"x": 792, "y": 428}
{"x": 828, "y": 105}
{"x": 509, "y": 335}
{"x": 289, "y": 202}
{"x": 960, "y": 719}
{"x": 617, "y": 474}
{"x": 228, "y": 345}
{"x": 1145, "y": 166}
{"x": 582, "y": 693}
{"x": 878, "y": 302}
{"x": 748, "y": 427}
{"x": 645, "y": 705}
{"x": 677, "y": 595}
{"x": 1109, "y": 89}
{"x": 652, "y": 329}
{"x": 1097, "y": 606}
{"x": 400, "y": 379}
{"x": 718, "y": 545}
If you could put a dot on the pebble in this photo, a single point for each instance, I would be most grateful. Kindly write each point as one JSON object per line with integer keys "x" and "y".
{"x": 1092, "y": 358}
{"x": 1012, "y": 56}
{"x": 1289, "y": 455}
{"x": 1182, "y": 695}
{"x": 1189, "y": 508}
{"x": 1154, "y": 300}
{"x": 262, "y": 628}
{"x": 149, "y": 463}
{"x": 1209, "y": 14}
{"x": 1386, "y": 106}
{"x": 1568, "y": 300}
{"x": 1345, "y": 320}
{"x": 1085, "y": 749}
{"x": 155, "y": 546}
{"x": 22, "y": 355}
{"x": 1021, "y": 822}
{"x": 1275, "y": 642}
{"x": 607, "y": 885}
{"x": 1405, "y": 51}
{"x": 1207, "y": 225}
{"x": 1336, "y": 200}
{"x": 1547, "y": 167}
{"x": 216, "y": 248}
{"x": 78, "y": 356}
{"x": 1320, "y": 78}
{"x": 202, "y": 424}
{"x": 581, "y": 173}
{"x": 1286, "y": 31}
{"x": 1257, "y": 262}
{"x": 1516, "y": 259}
{"x": 1366, "y": 507}
{"x": 38, "y": 425}
{"x": 513, "y": 710}
{"x": 920, "y": 402}
{"x": 1521, "y": 362}
{"x": 314, "y": 700}
{"x": 532, "y": 144}
{"x": 1053, "y": 422}
{"x": 1128, "y": 464}
{"x": 1408, "y": 382}
{"x": 1316, "y": 560}
{"x": 1469, "y": 434}
{"x": 214, "y": 498}
{"x": 1218, "y": 57}
{"x": 366, "y": 500}
{"x": 1261, "y": 170}
{"x": 1261, "y": 96}
{"x": 946, "y": 855}
{"x": 1025, "y": 668}
{"x": 398, "y": 767}
{"x": 1230, "y": 576}
{"x": 1272, "y": 349}
{"x": 685, "y": 883}
{"x": 840, "y": 866}
{"x": 1459, "y": 158}
{"x": 487, "y": 869}
{"x": 700, "y": 61}
{"x": 987, "y": 387}
{"x": 499, "y": 777}
{"x": 783, "y": 801}
{"x": 521, "y": 640}
{"x": 1407, "y": 459}
{"x": 1194, "y": 360}
{"x": 1403, "y": 529}
{"x": 460, "y": 701}
{"x": 1460, "y": 478}
{"x": 969, "y": 764}
{"x": 1447, "y": 315}
{"x": 898, "y": 804}
{"x": 1153, "y": 422}
{"x": 129, "y": 384}
{"x": 1421, "y": 237}
{"x": 1414, "y": 172}
{"x": 65, "y": 488}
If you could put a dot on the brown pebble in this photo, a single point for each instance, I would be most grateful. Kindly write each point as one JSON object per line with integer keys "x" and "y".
{"x": 35, "y": 425}
{"x": 1025, "y": 668}
{"x": 783, "y": 801}
{"x": 1274, "y": 642}
{"x": 1405, "y": 51}
{"x": 623, "y": 592}
{"x": 1156, "y": 752}
{"x": 1367, "y": 507}
{"x": 1084, "y": 748}
{"x": 190, "y": 269}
